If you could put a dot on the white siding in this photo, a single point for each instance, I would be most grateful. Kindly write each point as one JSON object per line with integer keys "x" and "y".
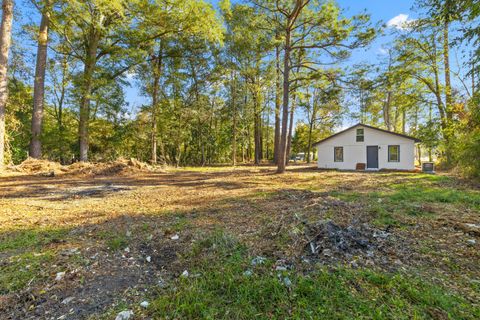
{"x": 356, "y": 152}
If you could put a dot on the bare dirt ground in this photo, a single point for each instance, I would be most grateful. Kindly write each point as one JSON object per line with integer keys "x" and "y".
{"x": 80, "y": 246}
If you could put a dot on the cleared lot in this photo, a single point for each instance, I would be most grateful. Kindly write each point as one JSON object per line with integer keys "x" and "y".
{"x": 249, "y": 243}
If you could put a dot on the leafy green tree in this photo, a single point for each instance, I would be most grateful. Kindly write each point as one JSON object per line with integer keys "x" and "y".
{"x": 321, "y": 104}
{"x": 467, "y": 144}
{"x": 96, "y": 31}
{"x": 39, "y": 80}
{"x": 318, "y": 29}
{"x": 180, "y": 19}
{"x": 248, "y": 44}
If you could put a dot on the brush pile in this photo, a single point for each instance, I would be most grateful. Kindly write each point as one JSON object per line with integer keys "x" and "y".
{"x": 49, "y": 168}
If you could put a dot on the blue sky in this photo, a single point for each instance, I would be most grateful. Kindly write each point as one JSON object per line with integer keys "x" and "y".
{"x": 380, "y": 10}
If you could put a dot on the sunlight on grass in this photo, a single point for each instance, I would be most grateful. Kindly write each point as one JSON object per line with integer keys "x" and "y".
{"x": 435, "y": 194}
{"x": 410, "y": 197}
{"x": 24, "y": 269}
{"x": 28, "y": 238}
{"x": 222, "y": 290}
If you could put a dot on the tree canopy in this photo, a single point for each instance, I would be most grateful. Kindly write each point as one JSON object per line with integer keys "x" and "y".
{"x": 250, "y": 81}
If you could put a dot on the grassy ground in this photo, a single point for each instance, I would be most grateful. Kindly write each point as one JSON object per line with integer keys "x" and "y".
{"x": 89, "y": 247}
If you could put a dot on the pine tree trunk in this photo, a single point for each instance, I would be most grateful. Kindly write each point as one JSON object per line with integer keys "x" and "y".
{"x": 290, "y": 130}
{"x": 446, "y": 57}
{"x": 386, "y": 111}
{"x": 59, "y": 111}
{"x": 282, "y": 156}
{"x": 39, "y": 87}
{"x": 153, "y": 137}
{"x": 310, "y": 129}
{"x": 234, "y": 129}
{"x": 419, "y": 152}
{"x": 309, "y": 148}
{"x": 267, "y": 131}
{"x": 387, "y": 106}
{"x": 5, "y": 40}
{"x": 157, "y": 72}
{"x": 442, "y": 109}
{"x": 448, "y": 90}
{"x": 249, "y": 143}
{"x": 278, "y": 89}
{"x": 257, "y": 130}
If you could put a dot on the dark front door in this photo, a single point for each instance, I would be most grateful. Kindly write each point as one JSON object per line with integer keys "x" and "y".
{"x": 372, "y": 157}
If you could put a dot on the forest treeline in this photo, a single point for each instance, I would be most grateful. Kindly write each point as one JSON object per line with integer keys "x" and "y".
{"x": 223, "y": 85}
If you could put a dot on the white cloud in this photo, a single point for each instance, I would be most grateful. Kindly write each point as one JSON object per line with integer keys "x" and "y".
{"x": 383, "y": 51}
{"x": 130, "y": 75}
{"x": 400, "y": 22}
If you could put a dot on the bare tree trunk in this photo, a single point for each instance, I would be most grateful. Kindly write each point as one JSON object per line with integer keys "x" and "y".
{"x": 243, "y": 152}
{"x": 363, "y": 107}
{"x": 89, "y": 68}
{"x": 157, "y": 70}
{"x": 387, "y": 106}
{"x": 309, "y": 148}
{"x": 267, "y": 133}
{"x": 386, "y": 111}
{"x": 290, "y": 129}
{"x": 282, "y": 156}
{"x": 278, "y": 89}
{"x": 58, "y": 107}
{"x": 260, "y": 134}
{"x": 446, "y": 57}
{"x": 63, "y": 89}
{"x": 5, "y": 39}
{"x": 249, "y": 143}
{"x": 310, "y": 128}
{"x": 257, "y": 130}
{"x": 202, "y": 148}
{"x": 442, "y": 109}
{"x": 448, "y": 89}
{"x": 234, "y": 129}
{"x": 153, "y": 138}
{"x": 473, "y": 76}
{"x": 39, "y": 86}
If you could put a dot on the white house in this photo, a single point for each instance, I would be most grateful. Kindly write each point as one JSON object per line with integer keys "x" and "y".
{"x": 363, "y": 146}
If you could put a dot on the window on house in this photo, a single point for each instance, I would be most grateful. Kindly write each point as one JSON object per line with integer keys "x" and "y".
{"x": 338, "y": 154}
{"x": 393, "y": 153}
{"x": 360, "y": 135}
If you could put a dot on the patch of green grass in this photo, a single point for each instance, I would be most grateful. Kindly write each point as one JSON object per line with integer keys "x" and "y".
{"x": 382, "y": 217}
{"x": 409, "y": 198}
{"x": 24, "y": 269}
{"x": 419, "y": 193}
{"x": 218, "y": 243}
{"x": 30, "y": 238}
{"x": 182, "y": 222}
{"x": 113, "y": 240}
{"x": 222, "y": 290}
{"x": 264, "y": 195}
{"x": 475, "y": 285}
{"x": 117, "y": 242}
{"x": 146, "y": 227}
